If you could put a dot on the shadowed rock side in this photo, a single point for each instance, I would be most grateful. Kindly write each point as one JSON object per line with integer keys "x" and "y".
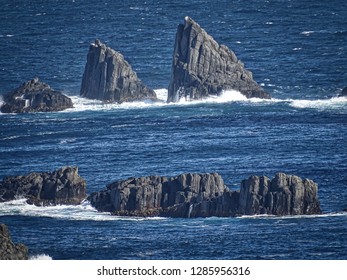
{"x": 9, "y": 250}
{"x": 35, "y": 96}
{"x": 343, "y": 92}
{"x": 205, "y": 195}
{"x": 63, "y": 186}
{"x": 283, "y": 195}
{"x": 109, "y": 77}
{"x": 202, "y": 67}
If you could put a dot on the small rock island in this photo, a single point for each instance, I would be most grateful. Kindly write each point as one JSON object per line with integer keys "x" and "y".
{"x": 109, "y": 77}
{"x": 62, "y": 186}
{"x": 204, "y": 195}
{"x": 202, "y": 67}
{"x": 35, "y": 96}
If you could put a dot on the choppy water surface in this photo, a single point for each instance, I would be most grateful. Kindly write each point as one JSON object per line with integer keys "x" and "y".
{"x": 296, "y": 50}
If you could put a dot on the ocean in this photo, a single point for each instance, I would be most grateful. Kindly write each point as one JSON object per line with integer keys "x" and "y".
{"x": 296, "y": 51}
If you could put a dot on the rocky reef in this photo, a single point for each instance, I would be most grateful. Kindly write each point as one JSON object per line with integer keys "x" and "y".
{"x": 205, "y": 195}
{"x": 35, "y": 96}
{"x": 63, "y": 186}
{"x": 202, "y": 67}
{"x": 9, "y": 250}
{"x": 110, "y": 78}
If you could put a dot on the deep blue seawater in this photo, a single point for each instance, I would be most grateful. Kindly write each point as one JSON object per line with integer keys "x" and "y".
{"x": 296, "y": 49}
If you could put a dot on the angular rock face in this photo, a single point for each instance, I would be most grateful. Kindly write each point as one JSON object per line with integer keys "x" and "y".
{"x": 201, "y": 67}
{"x": 205, "y": 195}
{"x": 343, "y": 93}
{"x": 35, "y": 96}
{"x": 159, "y": 196}
{"x": 63, "y": 186}
{"x": 109, "y": 77}
{"x": 283, "y": 195}
{"x": 9, "y": 250}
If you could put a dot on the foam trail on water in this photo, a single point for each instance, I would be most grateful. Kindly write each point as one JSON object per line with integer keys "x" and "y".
{"x": 83, "y": 211}
{"x": 40, "y": 257}
{"x": 332, "y": 103}
{"x": 227, "y": 96}
{"x": 324, "y": 215}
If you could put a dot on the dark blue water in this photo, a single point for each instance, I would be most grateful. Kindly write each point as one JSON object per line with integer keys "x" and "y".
{"x": 296, "y": 50}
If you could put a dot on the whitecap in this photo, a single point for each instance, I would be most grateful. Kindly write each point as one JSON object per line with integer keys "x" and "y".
{"x": 82, "y": 212}
{"x": 40, "y": 257}
{"x": 267, "y": 216}
{"x": 320, "y": 104}
{"x": 307, "y": 33}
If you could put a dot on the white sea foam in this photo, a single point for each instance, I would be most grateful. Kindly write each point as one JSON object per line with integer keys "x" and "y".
{"x": 83, "y": 212}
{"x": 84, "y": 104}
{"x": 324, "y": 215}
{"x": 320, "y": 104}
{"x": 229, "y": 96}
{"x": 40, "y": 257}
{"x": 307, "y": 33}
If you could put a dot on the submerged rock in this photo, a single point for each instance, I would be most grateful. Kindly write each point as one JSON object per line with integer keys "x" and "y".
{"x": 63, "y": 186}
{"x": 9, "y": 250}
{"x": 35, "y": 96}
{"x": 202, "y": 67}
{"x": 205, "y": 195}
{"x": 109, "y": 77}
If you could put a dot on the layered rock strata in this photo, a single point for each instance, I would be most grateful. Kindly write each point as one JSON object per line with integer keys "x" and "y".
{"x": 201, "y": 67}
{"x": 110, "y": 78}
{"x": 205, "y": 195}
{"x": 63, "y": 186}
{"x": 35, "y": 96}
{"x": 9, "y": 250}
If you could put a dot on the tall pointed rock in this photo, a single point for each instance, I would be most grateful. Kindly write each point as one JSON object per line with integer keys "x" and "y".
{"x": 109, "y": 77}
{"x": 201, "y": 67}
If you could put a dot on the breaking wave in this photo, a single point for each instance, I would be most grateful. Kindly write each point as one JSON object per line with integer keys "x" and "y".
{"x": 228, "y": 96}
{"x": 82, "y": 212}
{"x": 41, "y": 257}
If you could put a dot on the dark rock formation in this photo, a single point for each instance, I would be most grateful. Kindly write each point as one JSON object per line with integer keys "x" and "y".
{"x": 205, "y": 195}
{"x": 201, "y": 67}
{"x": 9, "y": 250}
{"x": 343, "y": 93}
{"x": 109, "y": 77}
{"x": 35, "y": 96}
{"x": 155, "y": 195}
{"x": 63, "y": 186}
{"x": 283, "y": 195}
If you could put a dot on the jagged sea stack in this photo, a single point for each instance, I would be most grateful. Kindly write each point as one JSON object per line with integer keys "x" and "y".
{"x": 201, "y": 67}
{"x": 35, "y": 96}
{"x": 110, "y": 78}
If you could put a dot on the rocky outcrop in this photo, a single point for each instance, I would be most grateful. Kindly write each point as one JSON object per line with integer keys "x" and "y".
{"x": 283, "y": 195}
{"x": 343, "y": 93}
{"x": 109, "y": 77}
{"x": 35, "y": 96}
{"x": 201, "y": 67}
{"x": 156, "y": 195}
{"x": 9, "y": 250}
{"x": 205, "y": 195}
{"x": 63, "y": 186}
